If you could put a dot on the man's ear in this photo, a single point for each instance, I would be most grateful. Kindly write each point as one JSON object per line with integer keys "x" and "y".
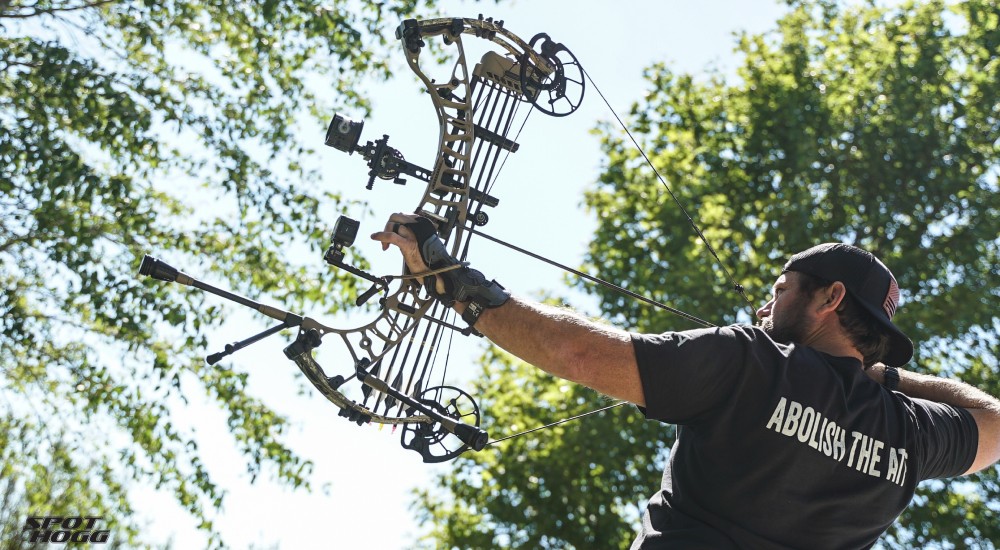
{"x": 831, "y": 297}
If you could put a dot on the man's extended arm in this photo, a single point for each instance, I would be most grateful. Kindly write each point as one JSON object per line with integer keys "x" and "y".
{"x": 566, "y": 345}
{"x": 983, "y": 407}
{"x": 555, "y": 340}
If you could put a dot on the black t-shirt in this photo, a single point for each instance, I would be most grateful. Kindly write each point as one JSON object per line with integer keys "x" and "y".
{"x": 783, "y": 446}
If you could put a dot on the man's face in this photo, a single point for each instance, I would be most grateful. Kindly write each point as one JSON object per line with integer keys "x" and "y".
{"x": 784, "y": 318}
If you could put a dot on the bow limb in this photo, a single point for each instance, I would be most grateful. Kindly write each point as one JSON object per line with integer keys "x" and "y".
{"x": 425, "y": 433}
{"x": 300, "y": 353}
{"x": 412, "y": 32}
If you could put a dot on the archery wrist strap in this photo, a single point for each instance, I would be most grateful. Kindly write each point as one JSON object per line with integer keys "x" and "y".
{"x": 480, "y": 294}
{"x": 461, "y": 284}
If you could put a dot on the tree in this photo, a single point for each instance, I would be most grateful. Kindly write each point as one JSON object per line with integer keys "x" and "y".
{"x": 559, "y": 488}
{"x": 120, "y": 121}
{"x": 859, "y": 123}
{"x": 550, "y": 490}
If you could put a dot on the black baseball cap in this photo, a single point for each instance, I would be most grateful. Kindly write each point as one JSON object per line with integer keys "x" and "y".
{"x": 867, "y": 279}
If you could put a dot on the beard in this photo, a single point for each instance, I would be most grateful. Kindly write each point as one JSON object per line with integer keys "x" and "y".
{"x": 789, "y": 329}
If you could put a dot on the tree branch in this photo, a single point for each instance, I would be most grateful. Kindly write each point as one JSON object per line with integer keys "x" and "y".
{"x": 5, "y": 5}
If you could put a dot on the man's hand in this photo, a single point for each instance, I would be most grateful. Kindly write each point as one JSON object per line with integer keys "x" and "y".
{"x": 396, "y": 233}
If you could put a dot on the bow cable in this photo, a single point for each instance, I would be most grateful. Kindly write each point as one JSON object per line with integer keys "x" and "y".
{"x": 557, "y": 422}
{"x": 736, "y": 286}
{"x": 495, "y": 177}
{"x": 597, "y": 280}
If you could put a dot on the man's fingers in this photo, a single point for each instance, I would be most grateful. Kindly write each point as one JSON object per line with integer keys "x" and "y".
{"x": 403, "y": 239}
{"x": 400, "y": 219}
{"x": 396, "y": 233}
{"x": 389, "y": 237}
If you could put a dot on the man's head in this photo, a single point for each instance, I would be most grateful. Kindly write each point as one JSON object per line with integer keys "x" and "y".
{"x": 784, "y": 317}
{"x": 868, "y": 299}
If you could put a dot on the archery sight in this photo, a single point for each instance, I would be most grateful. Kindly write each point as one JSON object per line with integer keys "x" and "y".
{"x": 388, "y": 163}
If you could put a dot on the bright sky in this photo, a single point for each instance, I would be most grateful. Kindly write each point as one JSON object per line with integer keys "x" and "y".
{"x": 363, "y": 479}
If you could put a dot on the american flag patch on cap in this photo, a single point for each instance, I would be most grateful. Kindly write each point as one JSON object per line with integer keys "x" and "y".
{"x": 891, "y": 298}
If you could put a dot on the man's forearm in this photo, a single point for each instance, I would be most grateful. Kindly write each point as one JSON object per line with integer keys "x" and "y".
{"x": 984, "y": 408}
{"x": 566, "y": 345}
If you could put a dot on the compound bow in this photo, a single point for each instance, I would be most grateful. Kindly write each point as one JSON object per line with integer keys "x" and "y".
{"x": 393, "y": 354}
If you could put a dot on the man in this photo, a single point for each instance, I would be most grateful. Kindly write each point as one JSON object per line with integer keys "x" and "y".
{"x": 790, "y": 435}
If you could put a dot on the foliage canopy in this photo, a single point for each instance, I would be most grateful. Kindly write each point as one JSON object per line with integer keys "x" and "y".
{"x": 119, "y": 123}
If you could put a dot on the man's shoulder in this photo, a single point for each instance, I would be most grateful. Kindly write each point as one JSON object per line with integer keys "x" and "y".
{"x": 726, "y": 346}
{"x": 753, "y": 336}
{"x": 740, "y": 331}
